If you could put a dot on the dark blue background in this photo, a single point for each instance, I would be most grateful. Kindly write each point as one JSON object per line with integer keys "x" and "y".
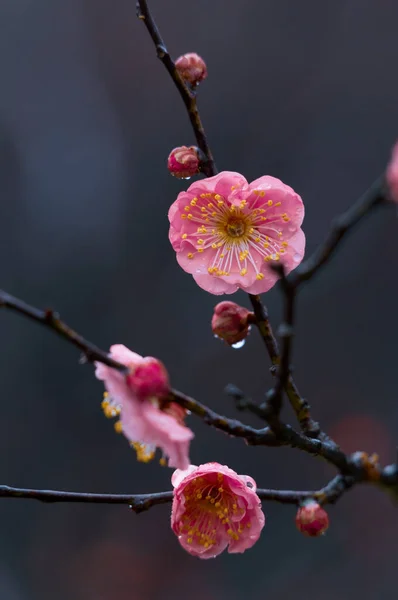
{"x": 306, "y": 91}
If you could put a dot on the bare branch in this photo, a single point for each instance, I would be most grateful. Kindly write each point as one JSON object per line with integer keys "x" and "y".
{"x": 298, "y": 403}
{"x": 375, "y": 196}
{"x": 51, "y": 319}
{"x": 137, "y": 502}
{"x": 188, "y": 96}
{"x": 142, "y": 502}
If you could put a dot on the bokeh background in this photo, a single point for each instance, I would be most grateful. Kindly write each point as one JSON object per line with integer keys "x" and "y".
{"x": 306, "y": 91}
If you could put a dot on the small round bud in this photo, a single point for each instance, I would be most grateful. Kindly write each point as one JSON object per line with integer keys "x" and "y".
{"x": 183, "y": 162}
{"x": 311, "y": 519}
{"x": 230, "y": 322}
{"x": 191, "y": 67}
{"x": 149, "y": 379}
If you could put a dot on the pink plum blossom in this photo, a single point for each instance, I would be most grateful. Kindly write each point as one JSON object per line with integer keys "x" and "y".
{"x": 225, "y": 231}
{"x": 215, "y": 508}
{"x": 392, "y": 174}
{"x": 145, "y": 420}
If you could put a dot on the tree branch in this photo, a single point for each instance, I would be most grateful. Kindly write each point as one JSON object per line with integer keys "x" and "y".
{"x": 137, "y": 502}
{"x": 188, "y": 96}
{"x": 52, "y": 320}
{"x": 372, "y": 198}
{"x": 329, "y": 494}
{"x": 298, "y": 403}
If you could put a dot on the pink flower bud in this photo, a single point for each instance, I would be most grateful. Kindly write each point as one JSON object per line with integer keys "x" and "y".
{"x": 183, "y": 162}
{"x": 191, "y": 67}
{"x": 149, "y": 379}
{"x": 392, "y": 174}
{"x": 230, "y": 322}
{"x": 311, "y": 519}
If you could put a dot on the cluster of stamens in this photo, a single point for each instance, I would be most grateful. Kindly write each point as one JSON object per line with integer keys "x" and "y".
{"x": 234, "y": 231}
{"x": 210, "y": 505}
{"x": 145, "y": 452}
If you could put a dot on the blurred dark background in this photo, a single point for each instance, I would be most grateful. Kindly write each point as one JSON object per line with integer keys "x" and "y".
{"x": 306, "y": 91}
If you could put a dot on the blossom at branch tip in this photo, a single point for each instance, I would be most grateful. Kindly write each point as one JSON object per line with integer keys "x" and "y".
{"x": 191, "y": 67}
{"x": 230, "y": 322}
{"x": 392, "y": 174}
{"x": 311, "y": 519}
{"x": 225, "y": 231}
{"x": 215, "y": 508}
{"x": 183, "y": 162}
{"x": 146, "y": 419}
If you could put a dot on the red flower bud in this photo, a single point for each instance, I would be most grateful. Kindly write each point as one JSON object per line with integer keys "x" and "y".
{"x": 183, "y": 162}
{"x": 149, "y": 379}
{"x": 230, "y": 322}
{"x": 191, "y": 67}
{"x": 311, "y": 519}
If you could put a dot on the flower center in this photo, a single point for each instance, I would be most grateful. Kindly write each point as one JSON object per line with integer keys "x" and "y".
{"x": 210, "y": 510}
{"x": 236, "y": 227}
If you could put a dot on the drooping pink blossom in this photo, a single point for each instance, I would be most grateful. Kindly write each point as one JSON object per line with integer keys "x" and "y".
{"x": 230, "y": 322}
{"x": 183, "y": 162}
{"x": 392, "y": 174}
{"x": 225, "y": 231}
{"x": 215, "y": 508}
{"x": 146, "y": 420}
{"x": 191, "y": 67}
{"x": 311, "y": 519}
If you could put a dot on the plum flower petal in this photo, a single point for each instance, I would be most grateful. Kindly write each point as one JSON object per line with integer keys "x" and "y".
{"x": 392, "y": 174}
{"x": 225, "y": 231}
{"x": 214, "y": 508}
{"x": 145, "y": 421}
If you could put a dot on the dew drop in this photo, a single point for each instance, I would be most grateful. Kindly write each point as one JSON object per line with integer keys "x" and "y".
{"x": 297, "y": 257}
{"x": 186, "y": 178}
{"x": 238, "y": 344}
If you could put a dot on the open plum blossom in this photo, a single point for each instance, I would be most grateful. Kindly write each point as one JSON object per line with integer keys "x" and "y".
{"x": 145, "y": 420}
{"x": 225, "y": 231}
{"x": 214, "y": 507}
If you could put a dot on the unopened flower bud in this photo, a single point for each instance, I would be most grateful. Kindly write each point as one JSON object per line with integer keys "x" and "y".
{"x": 191, "y": 67}
{"x": 149, "y": 379}
{"x": 183, "y": 162}
{"x": 311, "y": 519}
{"x": 230, "y": 322}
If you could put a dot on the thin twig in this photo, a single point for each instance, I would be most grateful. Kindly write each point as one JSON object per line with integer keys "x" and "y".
{"x": 52, "y": 320}
{"x": 208, "y": 166}
{"x": 137, "y": 502}
{"x": 275, "y": 396}
{"x": 298, "y": 403}
{"x": 372, "y": 198}
{"x": 141, "y": 502}
{"x": 243, "y": 402}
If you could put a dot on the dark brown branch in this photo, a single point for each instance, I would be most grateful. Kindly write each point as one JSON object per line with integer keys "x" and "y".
{"x": 188, "y": 96}
{"x": 142, "y": 502}
{"x": 243, "y": 402}
{"x": 298, "y": 403}
{"x": 51, "y": 319}
{"x": 373, "y": 197}
{"x": 137, "y": 502}
{"x": 275, "y": 396}
{"x": 232, "y": 427}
